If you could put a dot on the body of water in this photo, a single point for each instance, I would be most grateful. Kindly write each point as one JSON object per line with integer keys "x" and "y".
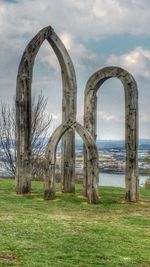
{"x": 116, "y": 180}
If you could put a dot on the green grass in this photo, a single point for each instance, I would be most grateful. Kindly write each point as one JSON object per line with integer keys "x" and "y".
{"x": 68, "y": 232}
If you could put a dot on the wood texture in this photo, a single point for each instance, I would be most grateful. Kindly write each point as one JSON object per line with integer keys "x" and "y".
{"x": 131, "y": 122}
{"x": 23, "y": 110}
{"x": 92, "y": 160}
{"x": 69, "y": 124}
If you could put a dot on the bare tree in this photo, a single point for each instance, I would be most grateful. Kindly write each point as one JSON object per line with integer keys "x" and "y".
{"x": 7, "y": 138}
{"x": 40, "y": 126}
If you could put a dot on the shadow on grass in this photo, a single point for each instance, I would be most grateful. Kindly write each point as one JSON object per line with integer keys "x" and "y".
{"x": 108, "y": 195}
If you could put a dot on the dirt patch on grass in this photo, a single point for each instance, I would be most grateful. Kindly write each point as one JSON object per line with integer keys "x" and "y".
{"x": 56, "y": 199}
{"x": 7, "y": 257}
{"x": 6, "y": 218}
{"x": 144, "y": 202}
{"x": 82, "y": 197}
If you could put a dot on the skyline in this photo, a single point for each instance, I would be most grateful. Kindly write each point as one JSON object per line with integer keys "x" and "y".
{"x": 97, "y": 34}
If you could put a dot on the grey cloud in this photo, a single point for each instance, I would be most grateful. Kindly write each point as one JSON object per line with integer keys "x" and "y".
{"x": 75, "y": 21}
{"x": 136, "y": 61}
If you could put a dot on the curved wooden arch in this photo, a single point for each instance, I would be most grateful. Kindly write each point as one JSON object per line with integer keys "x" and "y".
{"x": 23, "y": 109}
{"x": 131, "y": 121}
{"x": 92, "y": 160}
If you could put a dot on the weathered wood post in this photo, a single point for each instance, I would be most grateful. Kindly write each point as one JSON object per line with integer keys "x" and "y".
{"x": 50, "y": 154}
{"x": 68, "y": 110}
{"x": 92, "y": 165}
{"x": 131, "y": 122}
{"x": 23, "y": 111}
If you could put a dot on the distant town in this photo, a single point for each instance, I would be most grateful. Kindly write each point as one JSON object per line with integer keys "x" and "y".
{"x": 111, "y": 157}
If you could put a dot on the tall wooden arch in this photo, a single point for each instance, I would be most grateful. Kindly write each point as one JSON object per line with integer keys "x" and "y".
{"x": 92, "y": 160}
{"x": 131, "y": 122}
{"x": 23, "y": 110}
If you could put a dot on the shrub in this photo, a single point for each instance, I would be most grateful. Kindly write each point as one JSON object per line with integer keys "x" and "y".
{"x": 147, "y": 183}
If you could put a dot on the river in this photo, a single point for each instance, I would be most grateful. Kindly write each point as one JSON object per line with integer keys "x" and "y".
{"x": 116, "y": 180}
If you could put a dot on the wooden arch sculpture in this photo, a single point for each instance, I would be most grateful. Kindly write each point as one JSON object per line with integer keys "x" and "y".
{"x": 23, "y": 109}
{"x": 92, "y": 160}
{"x": 131, "y": 122}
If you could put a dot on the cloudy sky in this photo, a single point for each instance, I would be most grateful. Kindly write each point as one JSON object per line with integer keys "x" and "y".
{"x": 97, "y": 33}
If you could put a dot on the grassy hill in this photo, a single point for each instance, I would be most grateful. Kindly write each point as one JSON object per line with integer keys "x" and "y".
{"x": 68, "y": 232}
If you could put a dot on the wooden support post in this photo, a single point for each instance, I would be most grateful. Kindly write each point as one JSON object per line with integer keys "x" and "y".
{"x": 131, "y": 122}
{"x": 23, "y": 110}
{"x": 92, "y": 159}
